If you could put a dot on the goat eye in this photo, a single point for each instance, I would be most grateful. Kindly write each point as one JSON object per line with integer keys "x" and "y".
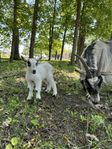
{"x": 29, "y": 64}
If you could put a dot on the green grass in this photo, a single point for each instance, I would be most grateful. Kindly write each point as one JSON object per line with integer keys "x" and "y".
{"x": 59, "y": 123}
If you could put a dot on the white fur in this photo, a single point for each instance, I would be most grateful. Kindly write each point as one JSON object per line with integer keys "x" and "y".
{"x": 93, "y": 80}
{"x": 93, "y": 97}
{"x": 44, "y": 71}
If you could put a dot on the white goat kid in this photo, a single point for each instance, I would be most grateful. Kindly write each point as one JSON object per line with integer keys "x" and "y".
{"x": 36, "y": 73}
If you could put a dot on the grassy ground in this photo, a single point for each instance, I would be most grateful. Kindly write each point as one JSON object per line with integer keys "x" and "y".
{"x": 65, "y": 122}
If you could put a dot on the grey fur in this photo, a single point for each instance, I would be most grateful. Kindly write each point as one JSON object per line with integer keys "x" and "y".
{"x": 98, "y": 57}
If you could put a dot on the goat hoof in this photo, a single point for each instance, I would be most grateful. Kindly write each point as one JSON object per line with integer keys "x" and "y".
{"x": 29, "y": 98}
{"x": 88, "y": 96}
{"x": 30, "y": 101}
{"x": 54, "y": 95}
{"x": 38, "y": 101}
{"x": 38, "y": 98}
{"x": 95, "y": 103}
{"x": 46, "y": 92}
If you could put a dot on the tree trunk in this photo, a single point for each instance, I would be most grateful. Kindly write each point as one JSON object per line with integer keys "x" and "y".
{"x": 76, "y": 32}
{"x": 56, "y": 53}
{"x": 50, "y": 40}
{"x": 34, "y": 26}
{"x": 51, "y": 32}
{"x": 111, "y": 36}
{"x": 82, "y": 35}
{"x": 81, "y": 45}
{"x": 63, "y": 43}
{"x": 15, "y": 35}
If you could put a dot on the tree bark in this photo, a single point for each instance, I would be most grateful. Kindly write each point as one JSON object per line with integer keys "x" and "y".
{"x": 50, "y": 40}
{"x": 15, "y": 35}
{"x": 56, "y": 53}
{"x": 111, "y": 36}
{"x": 63, "y": 43}
{"x": 82, "y": 35}
{"x": 76, "y": 32}
{"x": 33, "y": 32}
{"x": 51, "y": 32}
{"x": 81, "y": 45}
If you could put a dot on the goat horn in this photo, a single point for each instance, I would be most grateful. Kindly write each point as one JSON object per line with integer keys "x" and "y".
{"x": 89, "y": 75}
{"x": 23, "y": 58}
{"x": 39, "y": 58}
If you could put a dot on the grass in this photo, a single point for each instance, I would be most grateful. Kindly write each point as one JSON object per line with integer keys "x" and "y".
{"x": 64, "y": 122}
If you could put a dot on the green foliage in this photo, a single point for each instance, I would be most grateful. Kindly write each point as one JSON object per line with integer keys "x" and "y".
{"x": 96, "y": 122}
{"x": 9, "y": 146}
{"x": 57, "y": 46}
{"x": 95, "y": 22}
{"x": 96, "y": 19}
{"x": 47, "y": 145}
{"x": 35, "y": 122}
{"x": 15, "y": 141}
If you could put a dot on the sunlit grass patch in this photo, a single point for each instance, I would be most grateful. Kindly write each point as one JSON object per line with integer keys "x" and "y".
{"x": 6, "y": 66}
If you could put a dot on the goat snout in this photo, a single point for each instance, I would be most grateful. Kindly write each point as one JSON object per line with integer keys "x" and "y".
{"x": 34, "y": 71}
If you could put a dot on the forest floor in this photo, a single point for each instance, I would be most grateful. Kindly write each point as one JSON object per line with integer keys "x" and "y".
{"x": 67, "y": 121}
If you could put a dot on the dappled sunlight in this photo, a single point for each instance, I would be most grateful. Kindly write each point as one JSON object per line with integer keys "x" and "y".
{"x": 1, "y": 82}
{"x": 21, "y": 79}
{"x": 73, "y": 75}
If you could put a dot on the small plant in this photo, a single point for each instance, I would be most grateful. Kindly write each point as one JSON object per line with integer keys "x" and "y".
{"x": 96, "y": 122}
{"x": 108, "y": 130}
{"x": 73, "y": 114}
{"x": 14, "y": 142}
{"x": 97, "y": 119}
{"x": 47, "y": 145}
{"x": 14, "y": 103}
{"x": 83, "y": 118}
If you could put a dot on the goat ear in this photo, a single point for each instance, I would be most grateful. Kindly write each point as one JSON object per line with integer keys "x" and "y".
{"x": 24, "y": 59}
{"x": 100, "y": 80}
{"x": 39, "y": 58}
{"x": 88, "y": 83}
